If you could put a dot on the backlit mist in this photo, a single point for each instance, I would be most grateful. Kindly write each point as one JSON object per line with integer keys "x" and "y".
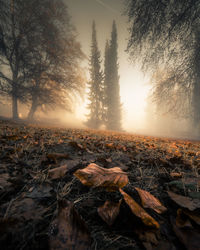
{"x": 139, "y": 113}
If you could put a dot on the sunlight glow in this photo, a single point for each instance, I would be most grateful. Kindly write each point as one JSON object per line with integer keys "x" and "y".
{"x": 134, "y": 91}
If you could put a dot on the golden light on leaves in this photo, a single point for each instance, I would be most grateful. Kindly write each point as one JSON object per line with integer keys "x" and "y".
{"x": 138, "y": 211}
{"x": 96, "y": 176}
{"x": 149, "y": 201}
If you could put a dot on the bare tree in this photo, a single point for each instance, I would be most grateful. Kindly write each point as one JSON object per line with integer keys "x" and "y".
{"x": 163, "y": 34}
{"x": 37, "y": 38}
{"x": 55, "y": 72}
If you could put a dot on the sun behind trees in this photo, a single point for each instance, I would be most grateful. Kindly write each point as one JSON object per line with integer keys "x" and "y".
{"x": 104, "y": 90}
{"x": 39, "y": 55}
{"x": 165, "y": 35}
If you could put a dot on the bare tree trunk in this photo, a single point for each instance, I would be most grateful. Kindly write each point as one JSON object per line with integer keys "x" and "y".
{"x": 15, "y": 115}
{"x": 32, "y": 109}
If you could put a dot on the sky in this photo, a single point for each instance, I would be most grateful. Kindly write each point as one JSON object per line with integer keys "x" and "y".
{"x": 133, "y": 85}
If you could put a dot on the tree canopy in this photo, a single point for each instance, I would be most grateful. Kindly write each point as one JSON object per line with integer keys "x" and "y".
{"x": 40, "y": 56}
{"x": 165, "y": 35}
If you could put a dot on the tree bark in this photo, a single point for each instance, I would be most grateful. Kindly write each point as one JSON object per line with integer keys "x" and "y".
{"x": 15, "y": 115}
{"x": 32, "y": 110}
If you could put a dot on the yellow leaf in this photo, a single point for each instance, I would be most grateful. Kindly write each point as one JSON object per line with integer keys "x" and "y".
{"x": 138, "y": 211}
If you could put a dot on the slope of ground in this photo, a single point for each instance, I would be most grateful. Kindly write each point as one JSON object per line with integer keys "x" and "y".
{"x": 31, "y": 188}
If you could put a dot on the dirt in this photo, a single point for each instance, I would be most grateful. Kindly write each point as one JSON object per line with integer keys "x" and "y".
{"x": 29, "y": 194}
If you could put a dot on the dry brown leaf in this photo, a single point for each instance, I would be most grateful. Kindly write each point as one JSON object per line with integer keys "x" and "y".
{"x": 68, "y": 230}
{"x": 193, "y": 216}
{"x": 57, "y": 156}
{"x": 139, "y": 211}
{"x": 75, "y": 145}
{"x": 4, "y": 181}
{"x": 149, "y": 201}
{"x": 176, "y": 175}
{"x": 165, "y": 245}
{"x": 96, "y": 176}
{"x": 109, "y": 145}
{"x": 40, "y": 191}
{"x": 189, "y": 237}
{"x": 25, "y": 209}
{"x": 182, "y": 220}
{"x": 148, "y": 238}
{"x": 184, "y": 201}
{"x": 109, "y": 211}
{"x": 57, "y": 173}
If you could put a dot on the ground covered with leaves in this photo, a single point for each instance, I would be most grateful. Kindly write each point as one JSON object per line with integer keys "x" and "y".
{"x": 84, "y": 189}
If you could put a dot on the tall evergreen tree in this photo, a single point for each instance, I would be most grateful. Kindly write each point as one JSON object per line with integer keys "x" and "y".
{"x": 111, "y": 83}
{"x": 106, "y": 83}
{"x": 95, "y": 84}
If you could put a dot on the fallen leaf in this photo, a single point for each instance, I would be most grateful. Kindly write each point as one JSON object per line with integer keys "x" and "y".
{"x": 25, "y": 209}
{"x": 176, "y": 175}
{"x": 7, "y": 223}
{"x": 40, "y": 191}
{"x": 189, "y": 237}
{"x": 184, "y": 201}
{"x": 192, "y": 215}
{"x": 149, "y": 201}
{"x": 109, "y": 211}
{"x": 10, "y": 137}
{"x": 165, "y": 245}
{"x": 57, "y": 173}
{"x": 96, "y": 176}
{"x": 75, "y": 145}
{"x": 147, "y": 237}
{"x": 109, "y": 145}
{"x": 138, "y": 211}
{"x": 4, "y": 181}
{"x": 182, "y": 220}
{"x": 72, "y": 165}
{"x": 57, "y": 156}
{"x": 68, "y": 230}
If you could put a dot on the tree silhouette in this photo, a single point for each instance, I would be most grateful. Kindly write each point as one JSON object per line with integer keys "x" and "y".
{"x": 95, "y": 84}
{"x": 111, "y": 83}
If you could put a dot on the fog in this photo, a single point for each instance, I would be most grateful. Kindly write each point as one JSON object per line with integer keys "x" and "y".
{"x": 138, "y": 114}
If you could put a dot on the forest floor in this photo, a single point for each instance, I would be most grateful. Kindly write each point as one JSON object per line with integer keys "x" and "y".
{"x": 50, "y": 198}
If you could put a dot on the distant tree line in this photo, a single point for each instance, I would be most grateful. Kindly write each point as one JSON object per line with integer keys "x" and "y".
{"x": 39, "y": 55}
{"x": 104, "y": 91}
{"x": 165, "y": 39}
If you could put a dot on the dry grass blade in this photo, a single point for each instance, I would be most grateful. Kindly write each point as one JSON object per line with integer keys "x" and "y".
{"x": 96, "y": 176}
{"x": 149, "y": 201}
{"x": 139, "y": 211}
{"x": 109, "y": 211}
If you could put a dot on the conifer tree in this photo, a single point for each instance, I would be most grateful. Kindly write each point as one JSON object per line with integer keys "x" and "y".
{"x": 95, "y": 84}
{"x": 106, "y": 82}
{"x": 111, "y": 83}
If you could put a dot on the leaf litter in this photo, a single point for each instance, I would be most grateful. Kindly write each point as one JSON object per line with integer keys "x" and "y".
{"x": 87, "y": 189}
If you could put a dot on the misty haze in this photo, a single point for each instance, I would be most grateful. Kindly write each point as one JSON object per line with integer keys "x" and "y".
{"x": 99, "y": 124}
